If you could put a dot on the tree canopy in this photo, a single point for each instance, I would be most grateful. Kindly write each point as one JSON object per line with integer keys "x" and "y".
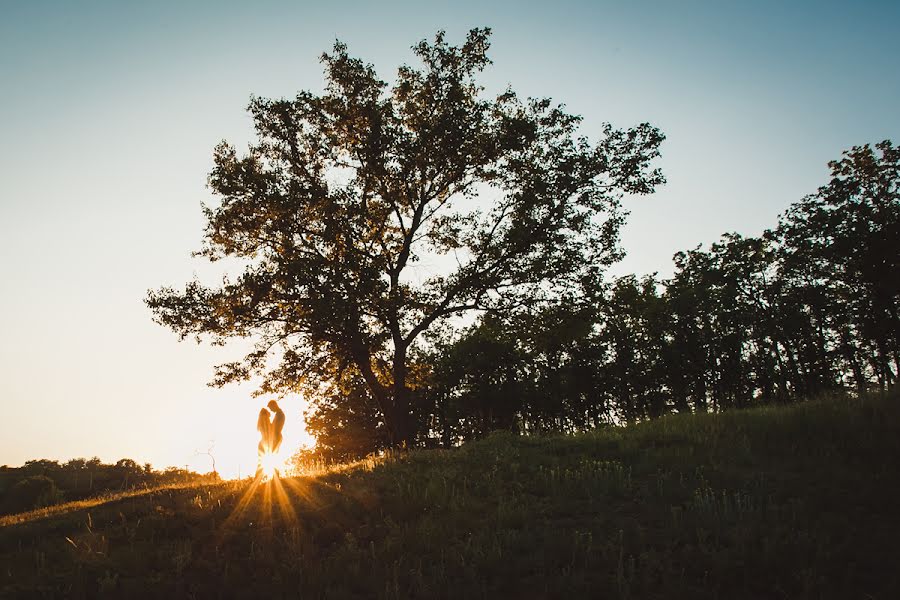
{"x": 370, "y": 214}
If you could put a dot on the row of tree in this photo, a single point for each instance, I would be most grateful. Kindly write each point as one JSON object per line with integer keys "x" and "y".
{"x": 44, "y": 482}
{"x": 807, "y": 308}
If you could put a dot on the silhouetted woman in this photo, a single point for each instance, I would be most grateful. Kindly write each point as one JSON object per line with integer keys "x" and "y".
{"x": 264, "y": 427}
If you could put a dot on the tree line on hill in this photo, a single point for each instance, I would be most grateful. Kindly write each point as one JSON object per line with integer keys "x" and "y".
{"x": 43, "y": 482}
{"x": 808, "y": 307}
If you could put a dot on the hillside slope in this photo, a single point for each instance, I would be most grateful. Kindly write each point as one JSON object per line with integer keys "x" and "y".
{"x": 787, "y": 502}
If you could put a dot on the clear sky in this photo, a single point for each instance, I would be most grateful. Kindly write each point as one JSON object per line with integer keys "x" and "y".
{"x": 109, "y": 112}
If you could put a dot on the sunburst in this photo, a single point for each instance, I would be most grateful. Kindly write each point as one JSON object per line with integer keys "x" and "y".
{"x": 271, "y": 465}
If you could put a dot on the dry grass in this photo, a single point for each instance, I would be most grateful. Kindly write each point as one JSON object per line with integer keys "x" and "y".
{"x": 77, "y": 505}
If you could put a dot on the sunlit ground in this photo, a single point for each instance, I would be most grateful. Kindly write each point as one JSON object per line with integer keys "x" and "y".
{"x": 278, "y": 489}
{"x": 67, "y": 507}
{"x": 271, "y": 496}
{"x": 274, "y": 492}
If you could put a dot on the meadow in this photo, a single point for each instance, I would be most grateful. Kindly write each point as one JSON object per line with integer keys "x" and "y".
{"x": 795, "y": 501}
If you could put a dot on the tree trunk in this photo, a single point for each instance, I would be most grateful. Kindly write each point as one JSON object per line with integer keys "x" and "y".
{"x": 403, "y": 430}
{"x": 393, "y": 401}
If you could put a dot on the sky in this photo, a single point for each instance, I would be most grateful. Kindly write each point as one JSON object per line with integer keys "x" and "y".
{"x": 109, "y": 112}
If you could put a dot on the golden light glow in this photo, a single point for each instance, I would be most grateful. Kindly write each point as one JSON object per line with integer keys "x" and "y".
{"x": 271, "y": 497}
{"x": 272, "y": 465}
{"x": 234, "y": 436}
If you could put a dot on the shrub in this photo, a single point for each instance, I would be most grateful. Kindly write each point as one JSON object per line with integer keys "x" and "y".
{"x": 32, "y": 492}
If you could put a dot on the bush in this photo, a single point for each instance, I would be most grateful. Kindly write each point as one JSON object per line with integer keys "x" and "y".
{"x": 32, "y": 492}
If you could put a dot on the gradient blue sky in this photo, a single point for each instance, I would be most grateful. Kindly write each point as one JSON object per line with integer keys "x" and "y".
{"x": 109, "y": 112}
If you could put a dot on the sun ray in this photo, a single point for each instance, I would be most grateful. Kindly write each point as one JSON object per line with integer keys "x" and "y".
{"x": 243, "y": 504}
{"x": 265, "y": 492}
{"x": 304, "y": 489}
{"x": 266, "y": 504}
{"x": 283, "y": 502}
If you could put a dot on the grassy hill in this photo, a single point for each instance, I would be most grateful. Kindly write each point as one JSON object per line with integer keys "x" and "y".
{"x": 780, "y": 502}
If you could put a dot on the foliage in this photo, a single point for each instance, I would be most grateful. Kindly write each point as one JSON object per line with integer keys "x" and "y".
{"x": 44, "y": 482}
{"x": 807, "y": 308}
{"x": 345, "y": 421}
{"x": 786, "y": 501}
{"x": 370, "y": 215}
{"x": 481, "y": 386}
{"x": 841, "y": 255}
{"x": 34, "y": 491}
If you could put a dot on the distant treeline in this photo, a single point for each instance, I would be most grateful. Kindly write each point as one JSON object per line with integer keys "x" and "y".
{"x": 809, "y": 307}
{"x": 40, "y": 483}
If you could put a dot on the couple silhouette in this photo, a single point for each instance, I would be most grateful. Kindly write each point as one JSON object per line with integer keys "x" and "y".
{"x": 270, "y": 433}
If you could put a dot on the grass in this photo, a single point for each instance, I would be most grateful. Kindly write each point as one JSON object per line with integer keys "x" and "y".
{"x": 81, "y": 505}
{"x": 776, "y": 502}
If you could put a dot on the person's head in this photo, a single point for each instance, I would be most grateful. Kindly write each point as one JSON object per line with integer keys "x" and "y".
{"x": 273, "y": 405}
{"x": 263, "y": 418}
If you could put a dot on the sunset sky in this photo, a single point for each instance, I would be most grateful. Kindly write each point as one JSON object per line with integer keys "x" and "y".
{"x": 109, "y": 112}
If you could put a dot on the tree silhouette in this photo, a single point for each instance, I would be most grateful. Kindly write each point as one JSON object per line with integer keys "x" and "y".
{"x": 346, "y": 193}
{"x": 809, "y": 307}
{"x": 841, "y": 243}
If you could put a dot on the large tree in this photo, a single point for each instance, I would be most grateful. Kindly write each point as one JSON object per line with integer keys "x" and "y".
{"x": 369, "y": 214}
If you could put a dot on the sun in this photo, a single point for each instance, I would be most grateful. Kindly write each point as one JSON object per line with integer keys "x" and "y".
{"x": 272, "y": 464}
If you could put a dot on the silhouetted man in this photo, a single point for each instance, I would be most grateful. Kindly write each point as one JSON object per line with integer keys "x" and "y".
{"x": 277, "y": 425}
